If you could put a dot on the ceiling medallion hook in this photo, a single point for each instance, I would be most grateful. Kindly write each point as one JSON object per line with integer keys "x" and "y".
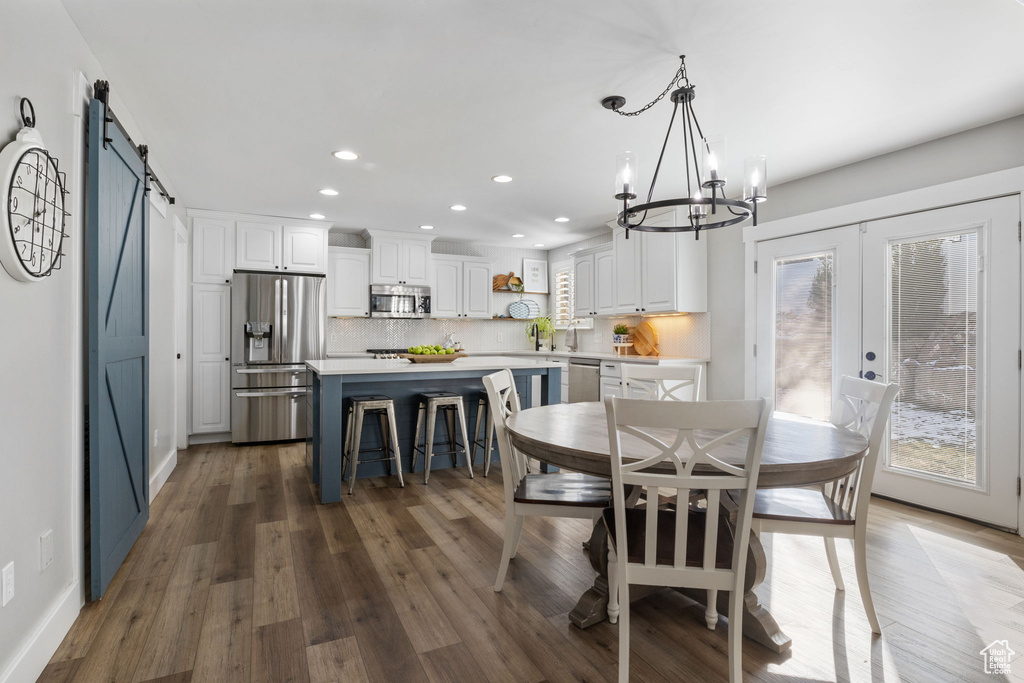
{"x": 28, "y": 119}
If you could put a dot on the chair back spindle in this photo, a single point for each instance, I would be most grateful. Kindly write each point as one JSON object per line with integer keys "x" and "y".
{"x": 503, "y": 400}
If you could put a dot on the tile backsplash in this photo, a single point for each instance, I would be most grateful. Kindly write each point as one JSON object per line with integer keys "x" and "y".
{"x": 349, "y": 335}
{"x": 678, "y": 335}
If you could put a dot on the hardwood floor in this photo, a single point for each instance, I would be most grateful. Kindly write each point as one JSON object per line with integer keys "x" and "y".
{"x": 241, "y": 576}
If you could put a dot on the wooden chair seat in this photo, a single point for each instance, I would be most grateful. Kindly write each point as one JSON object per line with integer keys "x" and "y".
{"x": 799, "y": 505}
{"x": 577, "y": 490}
{"x": 636, "y": 530}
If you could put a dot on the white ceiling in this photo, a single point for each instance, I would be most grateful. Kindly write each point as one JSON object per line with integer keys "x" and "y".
{"x": 243, "y": 101}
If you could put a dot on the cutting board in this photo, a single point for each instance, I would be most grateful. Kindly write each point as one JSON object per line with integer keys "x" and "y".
{"x": 645, "y": 339}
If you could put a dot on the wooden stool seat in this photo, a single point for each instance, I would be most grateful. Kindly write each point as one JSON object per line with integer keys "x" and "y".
{"x": 578, "y": 490}
{"x": 799, "y": 505}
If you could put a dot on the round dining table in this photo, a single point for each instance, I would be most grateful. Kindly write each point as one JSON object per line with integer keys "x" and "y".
{"x": 796, "y": 452}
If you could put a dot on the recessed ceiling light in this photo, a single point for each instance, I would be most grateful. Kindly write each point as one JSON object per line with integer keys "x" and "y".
{"x": 346, "y": 155}
{"x": 539, "y": 244}
{"x": 519, "y": 234}
{"x": 561, "y": 219}
{"x": 426, "y": 227}
{"x": 317, "y": 216}
{"x": 502, "y": 178}
{"x": 329, "y": 192}
{"x": 457, "y": 207}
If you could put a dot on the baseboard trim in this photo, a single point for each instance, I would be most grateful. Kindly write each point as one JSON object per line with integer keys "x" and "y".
{"x": 217, "y": 437}
{"x": 159, "y": 476}
{"x": 35, "y": 654}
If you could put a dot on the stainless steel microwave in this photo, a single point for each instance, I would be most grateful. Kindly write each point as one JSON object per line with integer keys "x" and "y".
{"x": 399, "y": 301}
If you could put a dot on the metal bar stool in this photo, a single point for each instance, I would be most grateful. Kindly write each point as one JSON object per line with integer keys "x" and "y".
{"x": 451, "y": 405}
{"x": 485, "y": 441}
{"x": 384, "y": 408}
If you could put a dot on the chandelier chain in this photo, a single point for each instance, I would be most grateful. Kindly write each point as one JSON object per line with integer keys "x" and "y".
{"x": 679, "y": 79}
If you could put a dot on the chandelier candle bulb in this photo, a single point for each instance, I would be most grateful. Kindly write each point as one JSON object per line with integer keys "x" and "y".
{"x": 713, "y": 160}
{"x": 625, "y": 176}
{"x": 756, "y": 176}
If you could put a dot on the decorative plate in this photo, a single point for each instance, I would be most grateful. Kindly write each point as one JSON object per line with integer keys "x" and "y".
{"x": 524, "y": 309}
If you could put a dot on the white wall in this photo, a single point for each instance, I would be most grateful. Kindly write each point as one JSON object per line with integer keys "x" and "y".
{"x": 971, "y": 153}
{"x": 40, "y": 353}
{"x": 162, "y": 453}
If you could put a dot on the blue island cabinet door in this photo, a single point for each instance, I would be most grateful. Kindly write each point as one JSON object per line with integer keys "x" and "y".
{"x": 118, "y": 367}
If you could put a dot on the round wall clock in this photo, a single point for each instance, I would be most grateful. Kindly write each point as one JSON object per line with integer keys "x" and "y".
{"x": 32, "y": 196}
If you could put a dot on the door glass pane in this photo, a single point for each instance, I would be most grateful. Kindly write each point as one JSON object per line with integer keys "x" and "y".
{"x": 803, "y": 335}
{"x": 933, "y": 337}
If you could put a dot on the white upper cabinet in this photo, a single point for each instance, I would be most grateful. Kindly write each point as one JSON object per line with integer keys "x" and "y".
{"x": 594, "y": 281}
{"x": 604, "y": 282}
{"x": 446, "y": 293}
{"x": 213, "y": 249}
{"x": 477, "y": 282}
{"x": 628, "y": 272}
{"x": 257, "y": 246}
{"x": 660, "y": 272}
{"x": 417, "y": 262}
{"x": 397, "y": 259}
{"x": 304, "y": 249}
{"x": 583, "y": 285}
{"x": 348, "y": 282}
{"x": 461, "y": 287}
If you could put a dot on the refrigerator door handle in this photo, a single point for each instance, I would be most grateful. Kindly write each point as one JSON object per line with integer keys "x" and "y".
{"x": 286, "y": 344}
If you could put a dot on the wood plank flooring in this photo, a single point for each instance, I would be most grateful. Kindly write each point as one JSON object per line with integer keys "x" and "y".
{"x": 241, "y": 576}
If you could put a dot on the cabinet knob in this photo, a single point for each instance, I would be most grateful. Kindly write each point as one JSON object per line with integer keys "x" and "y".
{"x": 643, "y": 309}
{"x": 638, "y": 310}
{"x": 227, "y": 359}
{"x": 277, "y": 266}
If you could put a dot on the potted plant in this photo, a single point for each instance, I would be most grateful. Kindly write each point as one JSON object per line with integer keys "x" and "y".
{"x": 621, "y": 335}
{"x": 545, "y": 332}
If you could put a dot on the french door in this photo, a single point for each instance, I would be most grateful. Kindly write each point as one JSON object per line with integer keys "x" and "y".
{"x": 942, "y": 320}
{"x": 808, "y": 318}
{"x": 931, "y": 301}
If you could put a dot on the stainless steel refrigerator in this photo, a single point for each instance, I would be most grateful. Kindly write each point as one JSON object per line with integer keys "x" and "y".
{"x": 277, "y": 324}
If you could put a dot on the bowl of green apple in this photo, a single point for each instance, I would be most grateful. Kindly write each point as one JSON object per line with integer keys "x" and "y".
{"x": 431, "y": 354}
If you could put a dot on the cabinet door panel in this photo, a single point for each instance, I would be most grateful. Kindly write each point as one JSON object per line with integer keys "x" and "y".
{"x": 477, "y": 290}
{"x": 604, "y": 282}
{"x": 446, "y": 296}
{"x": 416, "y": 255}
{"x": 211, "y": 397}
{"x": 348, "y": 283}
{"x": 211, "y": 340}
{"x": 213, "y": 250}
{"x": 387, "y": 261}
{"x": 659, "y": 272}
{"x": 258, "y": 246}
{"x": 304, "y": 249}
{"x": 583, "y": 278}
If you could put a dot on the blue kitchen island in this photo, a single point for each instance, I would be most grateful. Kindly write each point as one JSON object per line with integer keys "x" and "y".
{"x": 336, "y": 380}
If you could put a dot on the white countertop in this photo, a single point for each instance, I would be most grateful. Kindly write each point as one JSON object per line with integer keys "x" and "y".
{"x": 372, "y": 366}
{"x": 600, "y": 355}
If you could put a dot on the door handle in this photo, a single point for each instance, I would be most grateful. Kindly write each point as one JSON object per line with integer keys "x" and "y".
{"x": 869, "y": 375}
{"x": 262, "y": 394}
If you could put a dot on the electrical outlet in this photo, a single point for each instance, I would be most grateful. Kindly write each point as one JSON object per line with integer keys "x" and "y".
{"x": 156, "y": 438}
{"x": 598, "y": 338}
{"x": 8, "y": 583}
{"x": 500, "y": 337}
{"x": 45, "y": 550}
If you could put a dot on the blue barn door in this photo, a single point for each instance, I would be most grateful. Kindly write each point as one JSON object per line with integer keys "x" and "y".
{"x": 117, "y": 286}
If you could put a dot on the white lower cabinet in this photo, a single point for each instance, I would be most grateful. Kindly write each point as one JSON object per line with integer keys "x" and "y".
{"x": 611, "y": 386}
{"x": 348, "y": 282}
{"x": 211, "y": 364}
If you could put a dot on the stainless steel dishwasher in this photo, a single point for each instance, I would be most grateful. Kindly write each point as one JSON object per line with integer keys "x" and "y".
{"x": 584, "y": 380}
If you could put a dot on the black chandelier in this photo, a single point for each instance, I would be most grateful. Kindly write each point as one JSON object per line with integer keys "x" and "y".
{"x": 705, "y": 172}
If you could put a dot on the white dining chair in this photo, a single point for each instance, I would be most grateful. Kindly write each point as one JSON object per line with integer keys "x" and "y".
{"x": 662, "y": 382}
{"x": 681, "y": 547}
{"x": 839, "y": 509}
{"x": 580, "y": 496}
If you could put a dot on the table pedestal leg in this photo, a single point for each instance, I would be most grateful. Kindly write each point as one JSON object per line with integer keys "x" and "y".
{"x": 758, "y": 623}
